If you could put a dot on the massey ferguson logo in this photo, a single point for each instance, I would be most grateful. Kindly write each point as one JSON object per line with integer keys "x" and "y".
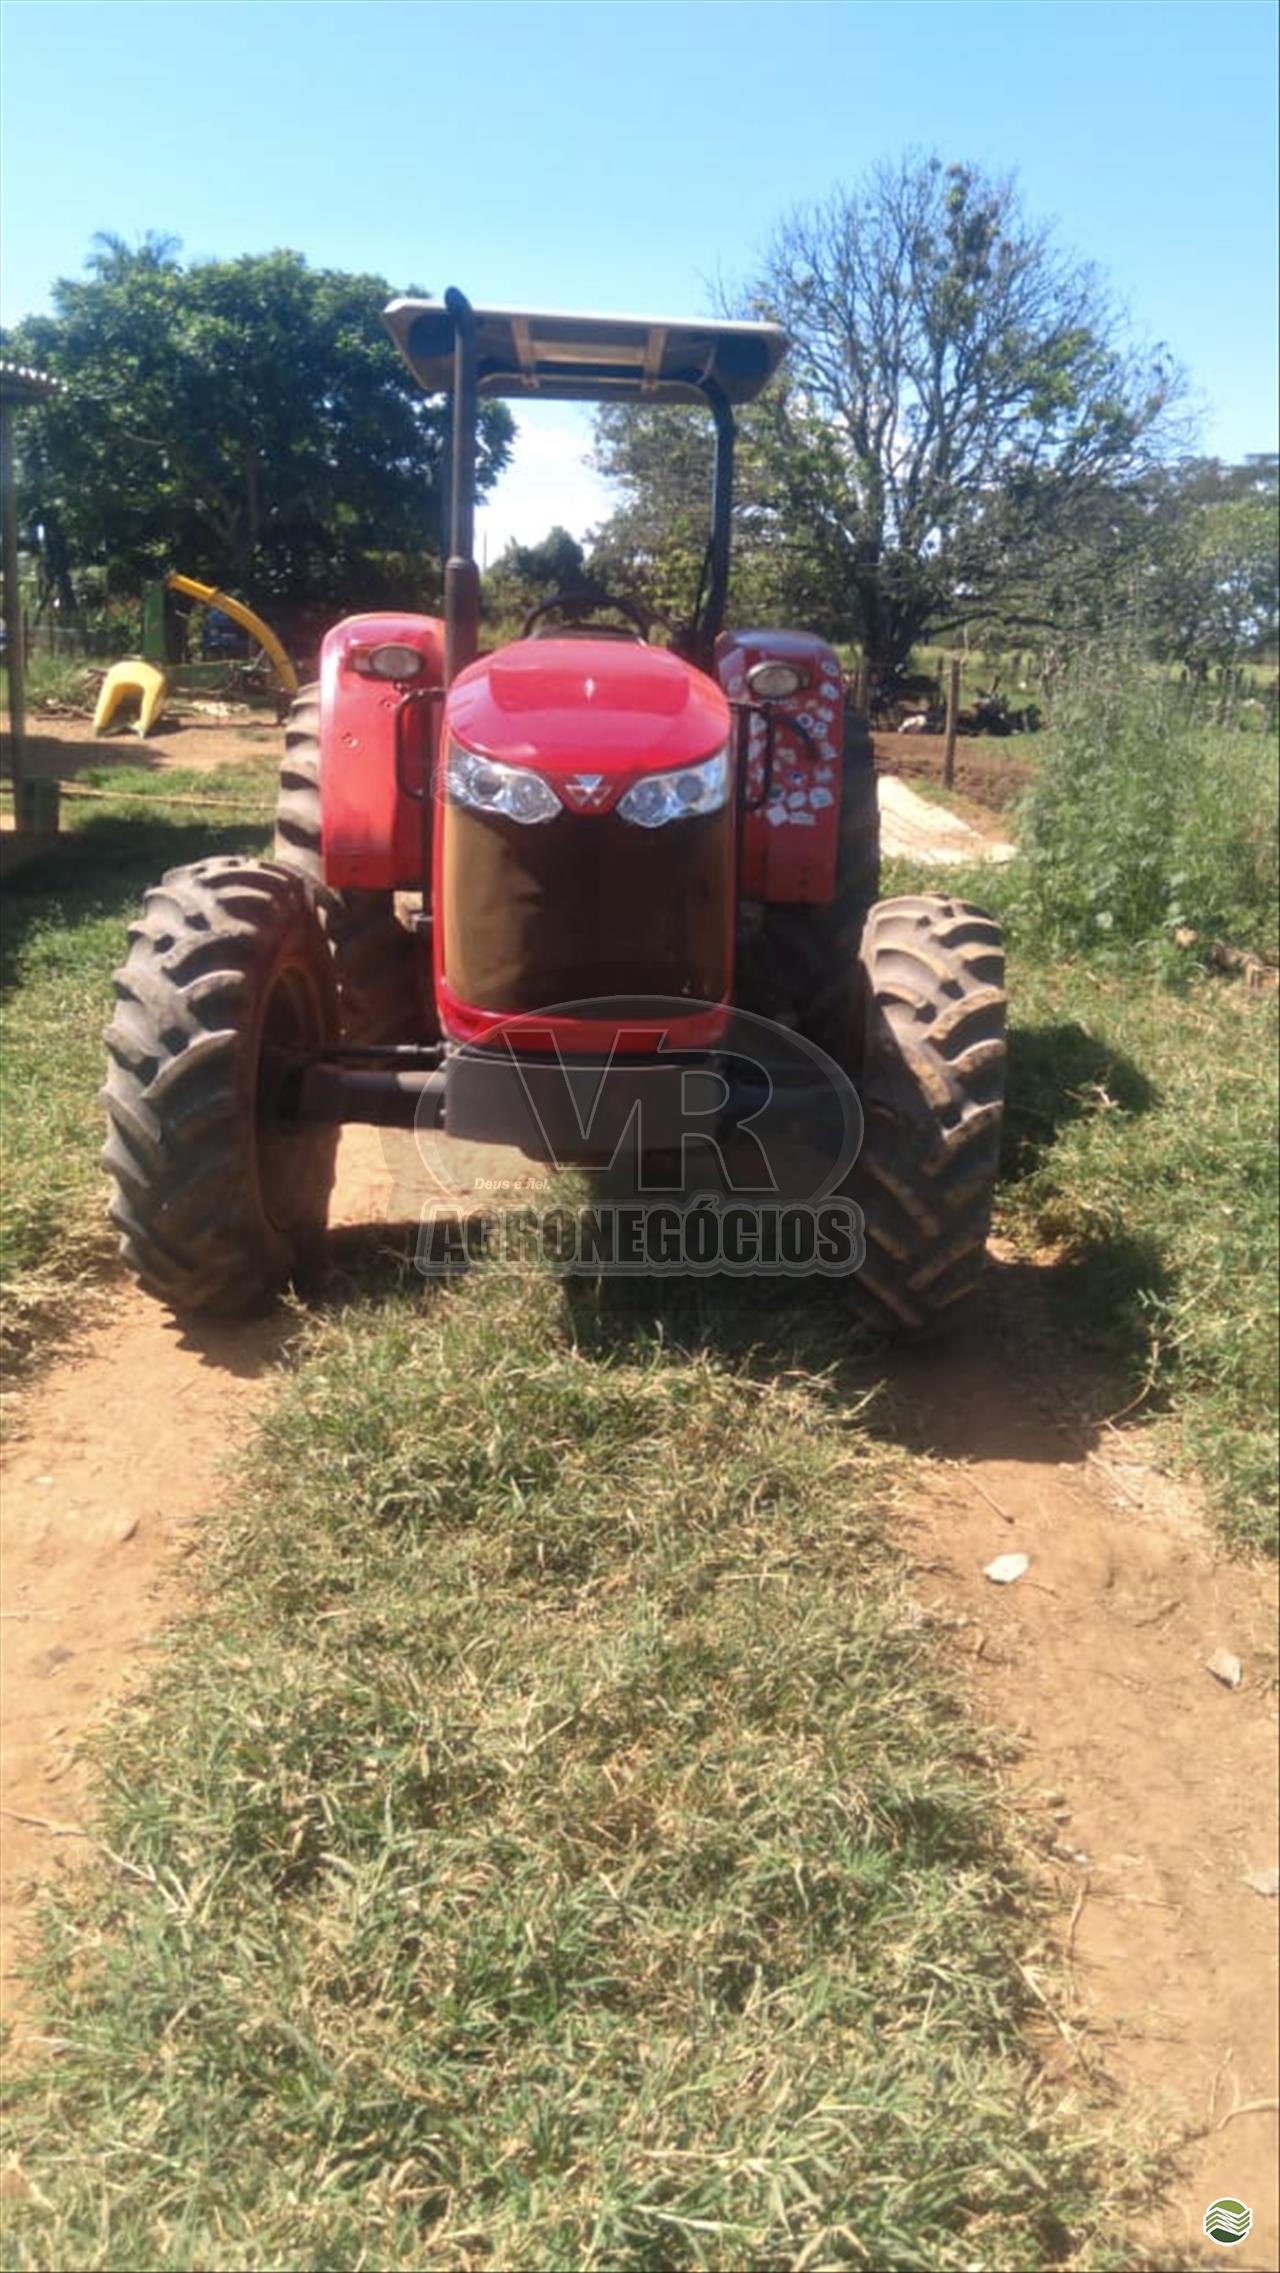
{"x": 586, "y": 792}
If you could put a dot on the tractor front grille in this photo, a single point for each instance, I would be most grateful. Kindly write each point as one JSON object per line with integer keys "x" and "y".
{"x": 583, "y": 907}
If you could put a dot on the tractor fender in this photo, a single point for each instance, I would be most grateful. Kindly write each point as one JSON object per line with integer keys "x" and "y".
{"x": 790, "y": 842}
{"x": 377, "y": 741}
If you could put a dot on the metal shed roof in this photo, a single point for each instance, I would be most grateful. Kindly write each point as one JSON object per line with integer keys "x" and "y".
{"x": 20, "y": 384}
{"x": 557, "y": 356}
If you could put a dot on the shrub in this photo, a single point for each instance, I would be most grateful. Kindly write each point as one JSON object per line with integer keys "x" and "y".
{"x": 1146, "y": 817}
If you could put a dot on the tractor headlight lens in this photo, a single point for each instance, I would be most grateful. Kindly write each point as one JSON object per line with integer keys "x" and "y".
{"x": 391, "y": 661}
{"x": 484, "y": 786}
{"x": 663, "y": 797}
{"x": 773, "y": 682}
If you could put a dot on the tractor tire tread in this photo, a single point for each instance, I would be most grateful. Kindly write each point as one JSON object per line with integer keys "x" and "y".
{"x": 181, "y": 1088}
{"x": 931, "y": 1081}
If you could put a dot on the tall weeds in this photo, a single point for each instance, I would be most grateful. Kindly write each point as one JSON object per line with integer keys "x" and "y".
{"x": 1147, "y": 817}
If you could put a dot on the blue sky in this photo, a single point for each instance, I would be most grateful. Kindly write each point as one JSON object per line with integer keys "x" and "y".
{"x": 601, "y": 153}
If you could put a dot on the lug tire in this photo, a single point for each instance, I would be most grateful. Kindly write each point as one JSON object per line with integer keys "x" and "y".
{"x": 217, "y": 1208}
{"x": 383, "y": 992}
{"x": 929, "y": 1057}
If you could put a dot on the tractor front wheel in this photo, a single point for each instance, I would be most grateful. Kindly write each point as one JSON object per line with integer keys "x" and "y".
{"x": 218, "y": 1198}
{"x": 928, "y": 1052}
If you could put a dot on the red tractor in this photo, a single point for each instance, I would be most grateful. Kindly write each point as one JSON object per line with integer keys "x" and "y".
{"x": 505, "y": 882}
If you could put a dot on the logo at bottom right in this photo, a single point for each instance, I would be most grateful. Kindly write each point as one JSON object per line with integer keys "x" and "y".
{"x": 1227, "y": 2222}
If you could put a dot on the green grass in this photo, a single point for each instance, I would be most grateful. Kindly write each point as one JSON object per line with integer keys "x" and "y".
{"x": 69, "y": 681}
{"x": 1143, "y": 1131}
{"x": 1143, "y": 1110}
{"x": 248, "y": 786}
{"x": 1019, "y": 671}
{"x": 63, "y": 933}
{"x": 553, "y": 1843}
{"x": 1146, "y": 827}
{"x": 553, "y": 1840}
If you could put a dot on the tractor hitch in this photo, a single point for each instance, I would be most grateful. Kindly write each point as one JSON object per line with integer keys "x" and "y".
{"x": 385, "y": 1098}
{"x": 388, "y": 1086}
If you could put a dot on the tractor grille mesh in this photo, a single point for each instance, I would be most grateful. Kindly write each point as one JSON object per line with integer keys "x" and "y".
{"x": 584, "y": 906}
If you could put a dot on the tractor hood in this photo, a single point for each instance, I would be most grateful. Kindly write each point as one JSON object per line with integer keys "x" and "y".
{"x": 614, "y": 706}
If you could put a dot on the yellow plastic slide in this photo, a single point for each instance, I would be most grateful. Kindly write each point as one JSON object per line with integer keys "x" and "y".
{"x": 148, "y": 682}
{"x": 122, "y": 682}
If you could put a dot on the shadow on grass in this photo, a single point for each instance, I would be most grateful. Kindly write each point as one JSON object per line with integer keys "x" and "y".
{"x": 1057, "y": 1075}
{"x": 362, "y": 1266}
{"x": 54, "y": 756}
{"x": 101, "y": 869}
{"x": 1000, "y": 1387}
{"x": 1051, "y": 1346}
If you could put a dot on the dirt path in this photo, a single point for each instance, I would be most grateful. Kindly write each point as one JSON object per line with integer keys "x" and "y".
{"x": 118, "y": 1454}
{"x": 990, "y": 775}
{"x": 112, "y": 1462}
{"x": 1160, "y": 1780}
{"x": 913, "y": 828}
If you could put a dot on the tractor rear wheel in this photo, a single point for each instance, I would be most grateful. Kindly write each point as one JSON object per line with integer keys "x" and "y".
{"x": 218, "y": 1199}
{"x": 928, "y": 1053}
{"x": 383, "y": 991}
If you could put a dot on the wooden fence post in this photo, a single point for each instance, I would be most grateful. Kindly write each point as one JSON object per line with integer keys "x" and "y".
{"x": 953, "y": 712}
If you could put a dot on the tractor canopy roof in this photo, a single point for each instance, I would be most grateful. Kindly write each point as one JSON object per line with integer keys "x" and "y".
{"x": 556, "y": 356}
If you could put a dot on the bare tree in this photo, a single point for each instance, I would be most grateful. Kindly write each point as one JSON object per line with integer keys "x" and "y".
{"x": 960, "y": 413}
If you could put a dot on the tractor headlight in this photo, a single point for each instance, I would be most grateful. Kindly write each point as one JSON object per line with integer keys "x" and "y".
{"x": 773, "y": 682}
{"x": 486, "y": 787}
{"x": 390, "y": 661}
{"x": 678, "y": 796}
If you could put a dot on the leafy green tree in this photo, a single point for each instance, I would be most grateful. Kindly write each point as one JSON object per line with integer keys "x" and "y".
{"x": 523, "y": 575}
{"x": 555, "y": 564}
{"x": 652, "y": 546}
{"x": 958, "y": 412}
{"x": 248, "y": 421}
{"x": 1212, "y": 596}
